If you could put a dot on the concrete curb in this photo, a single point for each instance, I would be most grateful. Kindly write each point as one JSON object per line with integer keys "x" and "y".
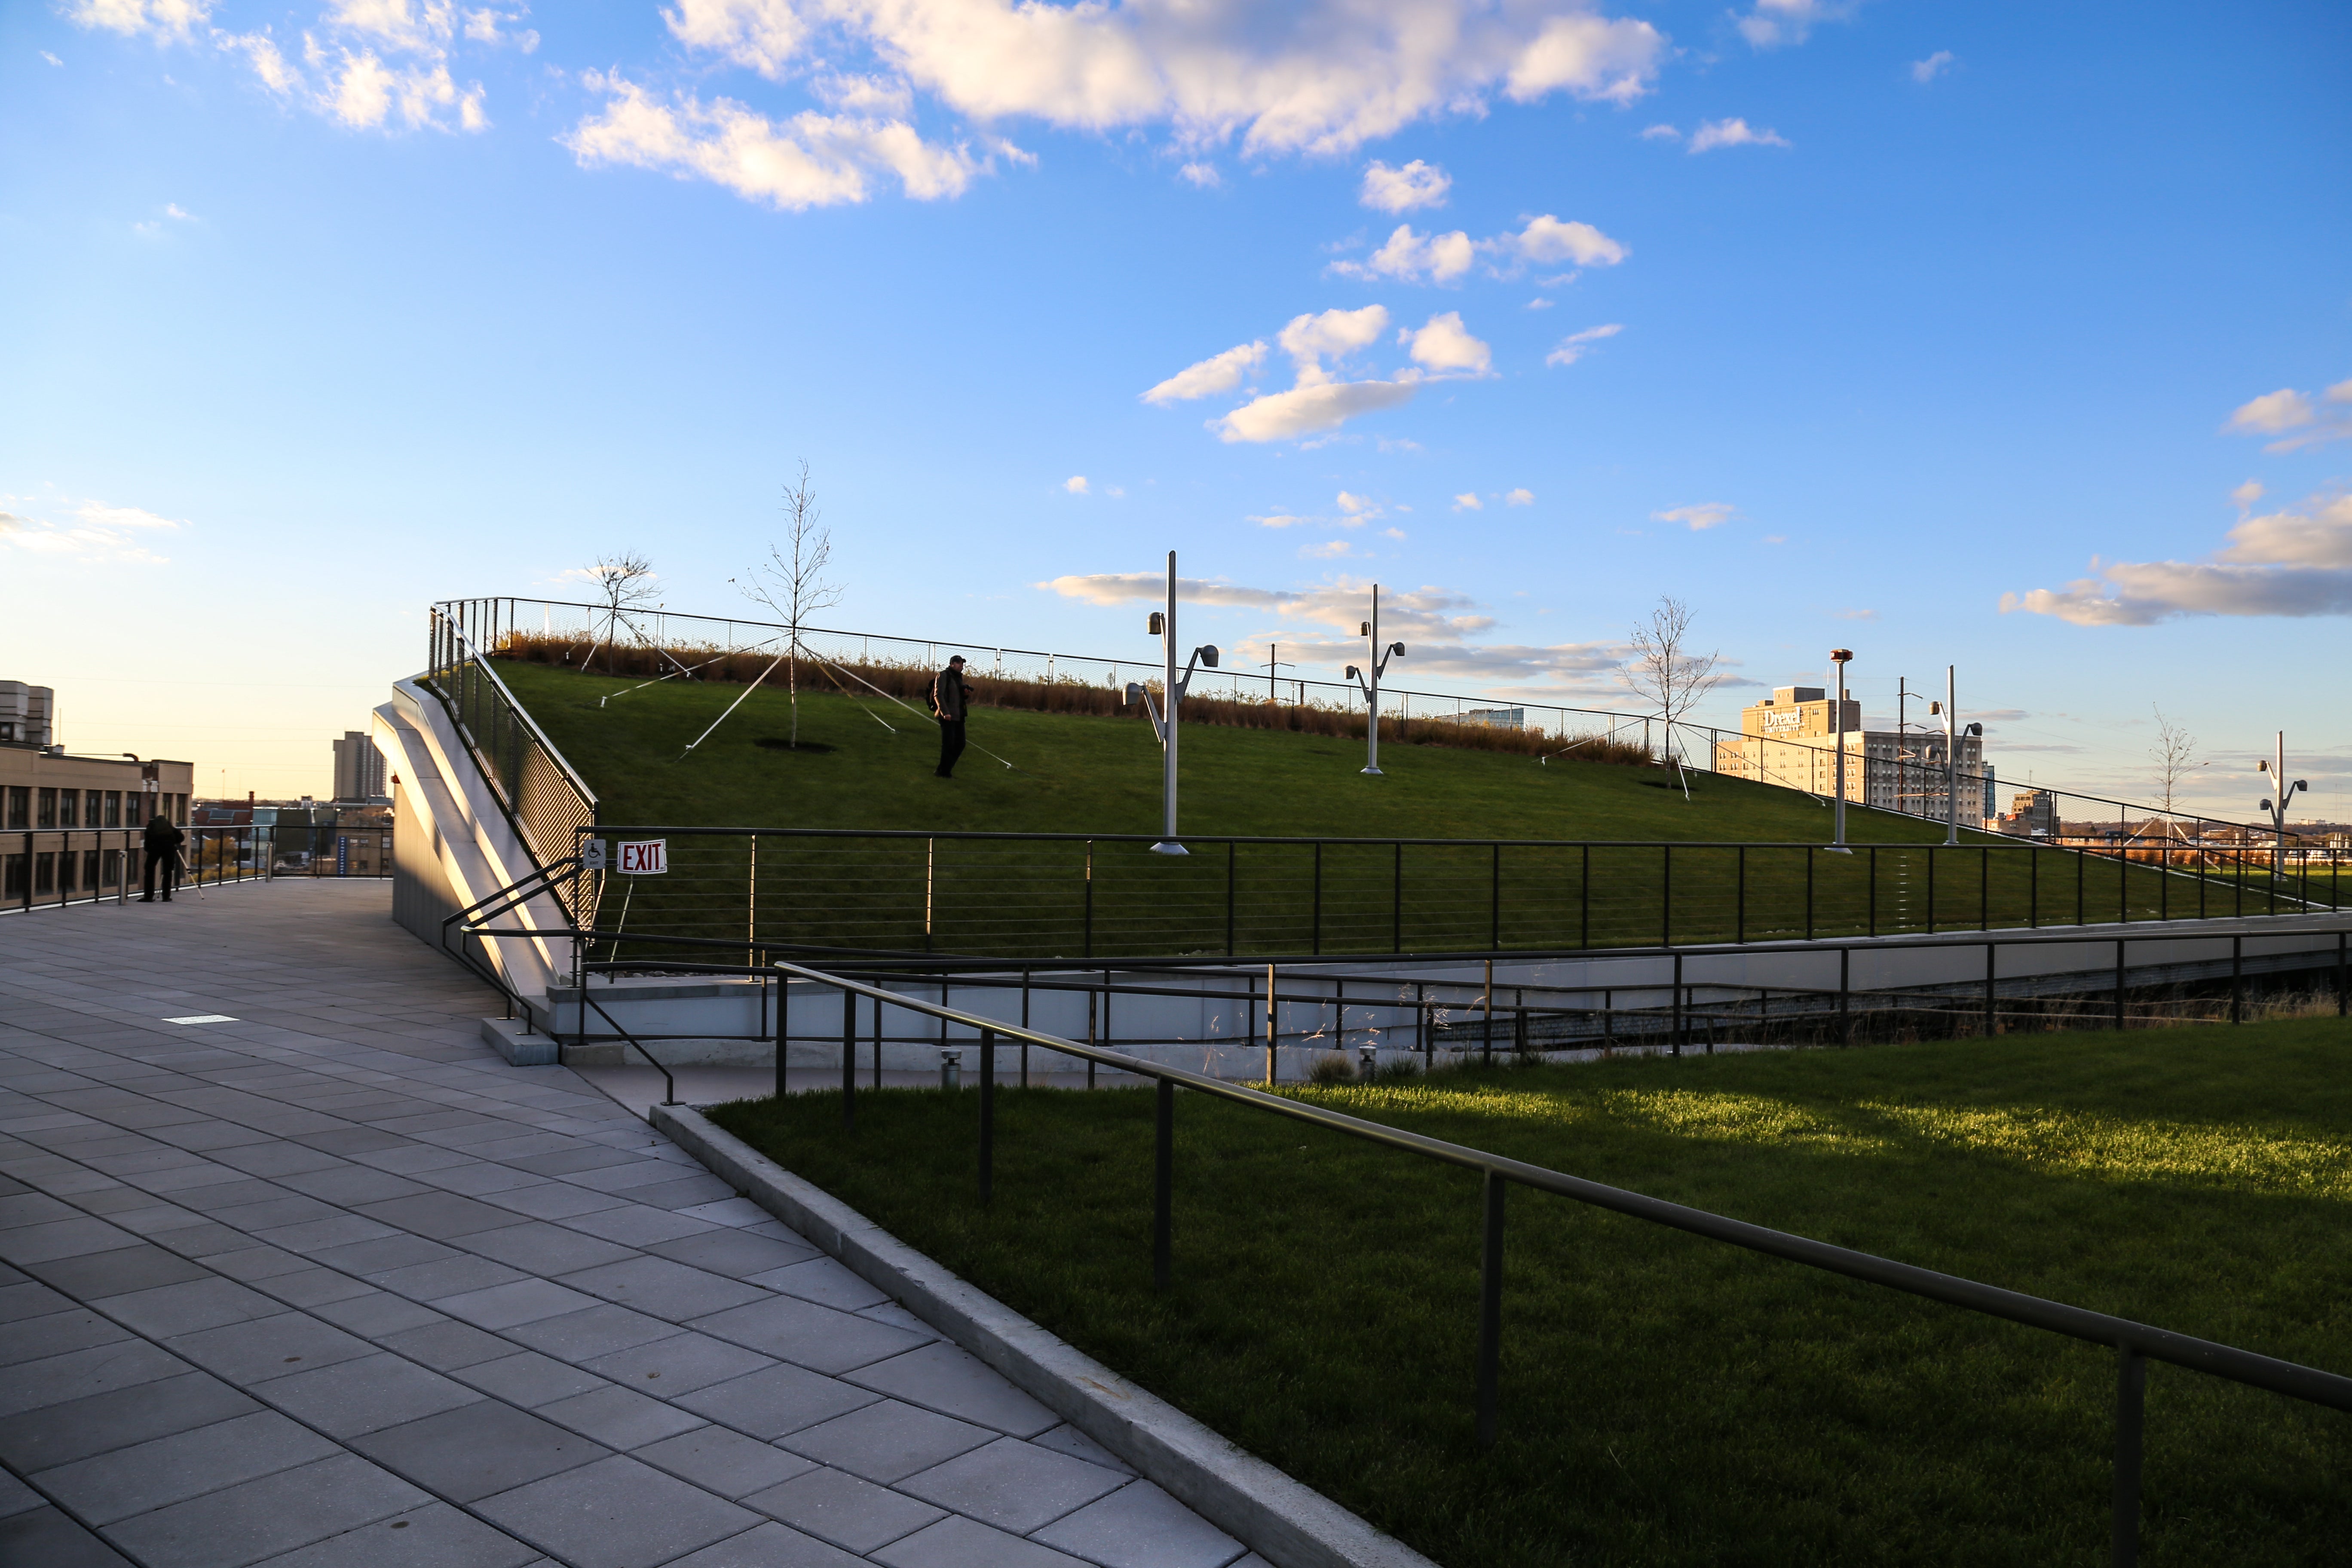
{"x": 1288, "y": 1524}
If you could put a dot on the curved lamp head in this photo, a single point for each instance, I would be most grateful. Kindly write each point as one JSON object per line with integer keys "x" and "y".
{"x": 1840, "y": 655}
{"x": 1396, "y": 650}
{"x": 1207, "y": 656}
{"x": 1352, "y": 673}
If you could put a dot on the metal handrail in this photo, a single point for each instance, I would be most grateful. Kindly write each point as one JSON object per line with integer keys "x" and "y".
{"x": 2135, "y": 1342}
{"x": 482, "y": 661}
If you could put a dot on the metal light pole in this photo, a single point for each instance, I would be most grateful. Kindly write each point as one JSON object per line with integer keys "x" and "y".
{"x": 1379, "y": 661}
{"x": 1273, "y": 665}
{"x": 1954, "y": 731}
{"x": 1162, "y": 626}
{"x": 1840, "y": 656}
{"x": 2276, "y": 809}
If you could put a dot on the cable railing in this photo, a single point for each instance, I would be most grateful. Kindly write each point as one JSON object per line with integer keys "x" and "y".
{"x": 2134, "y": 1344}
{"x": 1037, "y": 896}
{"x": 1911, "y": 776}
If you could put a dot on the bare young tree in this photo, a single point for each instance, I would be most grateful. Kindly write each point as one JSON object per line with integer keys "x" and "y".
{"x": 626, "y": 582}
{"x": 2175, "y": 756}
{"x": 792, "y": 582}
{"x": 1661, "y": 667}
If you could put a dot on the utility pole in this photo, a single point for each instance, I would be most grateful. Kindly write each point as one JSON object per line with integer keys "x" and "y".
{"x": 1840, "y": 656}
{"x": 1379, "y": 662}
{"x": 1162, "y": 625}
{"x": 1953, "y": 731}
{"x": 1272, "y": 665}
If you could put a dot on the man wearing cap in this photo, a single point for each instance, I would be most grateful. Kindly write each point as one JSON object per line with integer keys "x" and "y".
{"x": 950, "y": 697}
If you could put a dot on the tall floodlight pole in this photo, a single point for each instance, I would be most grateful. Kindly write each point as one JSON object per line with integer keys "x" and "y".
{"x": 1840, "y": 656}
{"x": 1379, "y": 663}
{"x": 1951, "y": 755}
{"x": 2276, "y": 809}
{"x": 1162, "y": 626}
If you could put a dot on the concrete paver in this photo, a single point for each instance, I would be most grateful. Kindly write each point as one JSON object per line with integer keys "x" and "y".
{"x": 329, "y": 1285}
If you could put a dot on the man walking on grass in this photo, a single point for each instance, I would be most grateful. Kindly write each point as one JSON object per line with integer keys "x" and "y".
{"x": 162, "y": 842}
{"x": 950, "y": 697}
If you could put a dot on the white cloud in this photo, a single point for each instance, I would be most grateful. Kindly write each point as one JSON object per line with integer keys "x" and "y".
{"x": 2247, "y": 494}
{"x": 1576, "y": 345}
{"x": 1414, "y": 258}
{"x": 1358, "y": 509}
{"x": 1661, "y": 133}
{"x": 164, "y": 21}
{"x": 1417, "y": 184}
{"x": 1437, "y": 624}
{"x": 1204, "y": 176}
{"x": 811, "y": 160}
{"x": 1519, "y": 497}
{"x": 1076, "y": 484}
{"x": 2295, "y": 561}
{"x": 92, "y": 532}
{"x": 1931, "y": 67}
{"x": 1547, "y": 241}
{"x": 2296, "y": 417}
{"x": 1777, "y": 22}
{"x": 1280, "y": 520}
{"x": 1343, "y": 73}
{"x": 1446, "y": 347}
{"x": 1701, "y": 517}
{"x": 1328, "y": 550}
{"x": 1221, "y": 373}
{"x": 1717, "y": 133}
{"x": 374, "y": 64}
{"x": 52, "y": 60}
{"x": 1468, "y": 501}
{"x": 1316, "y": 400}
{"x": 1538, "y": 304}
{"x": 1306, "y": 409}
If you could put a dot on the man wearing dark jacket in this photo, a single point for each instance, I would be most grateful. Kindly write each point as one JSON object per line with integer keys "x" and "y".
{"x": 950, "y": 697}
{"x": 162, "y": 842}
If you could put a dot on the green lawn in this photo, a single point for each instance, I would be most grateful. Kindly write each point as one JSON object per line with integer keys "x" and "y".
{"x": 1079, "y": 775}
{"x": 1669, "y": 1400}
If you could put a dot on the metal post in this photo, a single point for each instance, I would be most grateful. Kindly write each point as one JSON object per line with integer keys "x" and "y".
{"x": 2032, "y": 890}
{"x": 1739, "y": 919}
{"x": 987, "y": 1115}
{"x": 1584, "y": 897}
{"x": 2238, "y": 977}
{"x": 1486, "y": 1001}
{"x": 1678, "y": 1036}
{"x": 1873, "y": 890}
{"x": 1808, "y": 891}
{"x": 1163, "y": 1188}
{"x": 1931, "y": 889}
{"x": 1984, "y": 887}
{"x": 2082, "y": 858}
{"x": 783, "y": 1034}
{"x": 929, "y": 846}
{"x": 1490, "y": 1313}
{"x": 1025, "y": 1023}
{"x": 1089, "y": 944}
{"x": 1317, "y": 897}
{"x": 1666, "y": 897}
{"x": 848, "y": 1059}
{"x": 1269, "y": 1026}
{"x": 1396, "y": 900}
{"x": 2131, "y": 1409}
{"x": 2119, "y": 983}
{"x": 1495, "y": 898}
{"x": 2343, "y": 996}
{"x": 1229, "y": 897}
{"x": 1991, "y": 952}
{"x": 1845, "y": 992}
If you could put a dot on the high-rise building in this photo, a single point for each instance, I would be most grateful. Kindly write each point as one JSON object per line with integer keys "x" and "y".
{"x": 359, "y": 768}
{"x": 1792, "y": 739}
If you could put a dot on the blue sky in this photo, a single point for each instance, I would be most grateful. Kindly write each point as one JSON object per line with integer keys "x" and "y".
{"x": 1846, "y": 324}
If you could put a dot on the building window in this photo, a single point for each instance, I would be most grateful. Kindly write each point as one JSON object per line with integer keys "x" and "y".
{"x": 69, "y": 808}
{"x": 113, "y": 864}
{"x": 13, "y": 869}
{"x": 66, "y": 861}
{"x": 92, "y": 813}
{"x": 45, "y": 873}
{"x": 114, "y": 808}
{"x": 90, "y": 871}
{"x": 44, "y": 809}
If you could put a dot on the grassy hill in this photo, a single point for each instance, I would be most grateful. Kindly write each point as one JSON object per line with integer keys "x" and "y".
{"x": 1600, "y": 879}
{"x": 1076, "y": 774}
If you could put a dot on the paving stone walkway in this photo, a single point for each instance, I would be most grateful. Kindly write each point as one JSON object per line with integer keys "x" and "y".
{"x": 323, "y": 1282}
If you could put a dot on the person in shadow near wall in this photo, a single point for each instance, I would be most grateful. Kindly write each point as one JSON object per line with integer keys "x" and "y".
{"x": 950, "y": 700}
{"x": 162, "y": 841}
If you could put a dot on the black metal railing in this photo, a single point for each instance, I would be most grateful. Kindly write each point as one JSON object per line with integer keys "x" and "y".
{"x": 1035, "y": 896}
{"x": 2134, "y": 1343}
{"x": 52, "y": 868}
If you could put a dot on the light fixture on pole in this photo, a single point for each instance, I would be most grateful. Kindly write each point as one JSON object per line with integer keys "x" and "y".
{"x": 1840, "y": 656}
{"x": 1379, "y": 661}
{"x": 1953, "y": 731}
{"x": 1162, "y": 626}
{"x": 2276, "y": 808}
